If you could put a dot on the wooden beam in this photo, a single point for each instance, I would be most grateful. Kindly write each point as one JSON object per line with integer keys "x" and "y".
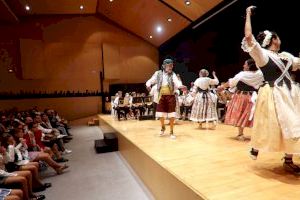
{"x": 7, "y": 14}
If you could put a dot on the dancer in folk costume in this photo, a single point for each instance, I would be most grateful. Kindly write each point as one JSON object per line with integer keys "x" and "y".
{"x": 167, "y": 83}
{"x": 240, "y": 109}
{"x": 204, "y": 106}
{"x": 278, "y": 99}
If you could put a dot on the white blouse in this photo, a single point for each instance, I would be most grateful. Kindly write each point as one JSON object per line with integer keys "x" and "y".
{"x": 261, "y": 56}
{"x": 204, "y": 83}
{"x": 254, "y": 79}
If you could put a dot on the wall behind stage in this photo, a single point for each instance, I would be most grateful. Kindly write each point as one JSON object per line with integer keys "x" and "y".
{"x": 64, "y": 53}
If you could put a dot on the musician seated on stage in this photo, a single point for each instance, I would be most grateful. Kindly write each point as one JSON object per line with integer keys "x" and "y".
{"x": 148, "y": 101}
{"x": 138, "y": 106}
{"x": 224, "y": 96}
{"x": 121, "y": 105}
{"x": 185, "y": 105}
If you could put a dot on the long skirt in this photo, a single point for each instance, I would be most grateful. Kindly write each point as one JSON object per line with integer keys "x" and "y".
{"x": 267, "y": 134}
{"x": 239, "y": 110}
{"x": 204, "y": 107}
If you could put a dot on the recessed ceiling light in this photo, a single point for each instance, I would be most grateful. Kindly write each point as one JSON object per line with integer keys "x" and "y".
{"x": 81, "y": 7}
{"x": 111, "y": 0}
{"x": 169, "y": 19}
{"x": 150, "y": 37}
{"x": 187, "y": 2}
{"x": 27, "y": 7}
{"x": 10, "y": 71}
{"x": 158, "y": 29}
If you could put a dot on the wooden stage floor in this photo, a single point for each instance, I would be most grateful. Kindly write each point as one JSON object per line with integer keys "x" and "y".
{"x": 211, "y": 162}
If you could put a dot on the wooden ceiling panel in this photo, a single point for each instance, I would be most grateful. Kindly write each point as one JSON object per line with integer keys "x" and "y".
{"x": 6, "y": 15}
{"x": 143, "y": 16}
{"x": 196, "y": 9}
{"x": 53, "y": 6}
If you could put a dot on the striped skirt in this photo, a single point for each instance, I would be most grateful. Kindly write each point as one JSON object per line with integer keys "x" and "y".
{"x": 204, "y": 107}
{"x": 239, "y": 110}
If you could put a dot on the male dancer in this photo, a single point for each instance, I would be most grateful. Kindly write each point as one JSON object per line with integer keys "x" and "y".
{"x": 167, "y": 83}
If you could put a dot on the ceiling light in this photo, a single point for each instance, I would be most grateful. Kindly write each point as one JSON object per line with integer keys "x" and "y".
{"x": 169, "y": 19}
{"x": 27, "y": 7}
{"x": 10, "y": 71}
{"x": 150, "y": 37}
{"x": 81, "y": 7}
{"x": 111, "y": 0}
{"x": 158, "y": 29}
{"x": 187, "y": 2}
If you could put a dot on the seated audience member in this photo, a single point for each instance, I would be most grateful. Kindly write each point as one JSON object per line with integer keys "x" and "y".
{"x": 21, "y": 179}
{"x": 33, "y": 146}
{"x": 15, "y": 162}
{"x": 50, "y": 134}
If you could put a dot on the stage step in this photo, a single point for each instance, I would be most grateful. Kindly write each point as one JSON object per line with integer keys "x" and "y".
{"x": 94, "y": 122}
{"x": 108, "y": 144}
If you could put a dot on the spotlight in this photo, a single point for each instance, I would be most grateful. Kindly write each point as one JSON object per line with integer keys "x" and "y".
{"x": 111, "y": 0}
{"x": 10, "y": 70}
{"x": 187, "y": 2}
{"x": 169, "y": 19}
{"x": 150, "y": 37}
{"x": 27, "y": 7}
{"x": 81, "y": 7}
{"x": 158, "y": 29}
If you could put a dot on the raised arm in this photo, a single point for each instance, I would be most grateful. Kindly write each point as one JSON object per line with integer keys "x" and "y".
{"x": 215, "y": 80}
{"x": 248, "y": 26}
{"x": 250, "y": 45}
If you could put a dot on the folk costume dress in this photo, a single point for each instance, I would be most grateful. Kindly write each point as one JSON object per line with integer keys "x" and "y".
{"x": 167, "y": 84}
{"x": 240, "y": 108}
{"x": 276, "y": 125}
{"x": 204, "y": 104}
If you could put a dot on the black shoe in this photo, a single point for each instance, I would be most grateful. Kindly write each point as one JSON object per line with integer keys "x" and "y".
{"x": 47, "y": 185}
{"x": 60, "y": 160}
{"x": 68, "y": 137}
{"x": 39, "y": 189}
{"x": 292, "y": 168}
{"x": 38, "y": 197}
{"x": 253, "y": 153}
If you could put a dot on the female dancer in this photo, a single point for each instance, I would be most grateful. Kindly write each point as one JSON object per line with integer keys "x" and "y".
{"x": 240, "y": 107}
{"x": 278, "y": 99}
{"x": 204, "y": 106}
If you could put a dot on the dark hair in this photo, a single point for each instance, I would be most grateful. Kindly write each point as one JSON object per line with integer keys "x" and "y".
{"x": 30, "y": 125}
{"x": 251, "y": 64}
{"x": 5, "y": 140}
{"x": 261, "y": 36}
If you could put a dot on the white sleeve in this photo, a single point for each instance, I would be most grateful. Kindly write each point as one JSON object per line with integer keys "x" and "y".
{"x": 214, "y": 81}
{"x": 295, "y": 60}
{"x": 44, "y": 130}
{"x": 116, "y": 101}
{"x": 195, "y": 87}
{"x": 151, "y": 93}
{"x": 258, "y": 54}
{"x": 152, "y": 80}
{"x": 177, "y": 82}
{"x": 296, "y": 63}
{"x": 10, "y": 153}
{"x": 233, "y": 81}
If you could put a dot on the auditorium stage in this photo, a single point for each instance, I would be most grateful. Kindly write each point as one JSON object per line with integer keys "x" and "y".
{"x": 200, "y": 164}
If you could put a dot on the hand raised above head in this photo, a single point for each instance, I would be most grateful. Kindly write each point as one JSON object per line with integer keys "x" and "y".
{"x": 250, "y": 10}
